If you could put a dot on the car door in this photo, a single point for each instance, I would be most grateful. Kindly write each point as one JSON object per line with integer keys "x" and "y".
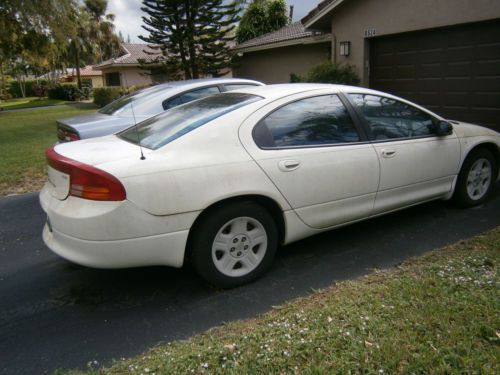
{"x": 316, "y": 155}
{"x": 415, "y": 164}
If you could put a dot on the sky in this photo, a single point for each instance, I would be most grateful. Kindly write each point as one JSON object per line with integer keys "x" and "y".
{"x": 129, "y": 15}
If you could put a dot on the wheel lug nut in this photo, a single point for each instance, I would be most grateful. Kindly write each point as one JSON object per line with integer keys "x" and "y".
{"x": 232, "y": 249}
{"x": 245, "y": 247}
{"x": 239, "y": 253}
{"x": 243, "y": 239}
{"x": 235, "y": 240}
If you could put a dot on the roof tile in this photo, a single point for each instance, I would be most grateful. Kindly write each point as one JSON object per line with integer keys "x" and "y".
{"x": 293, "y": 31}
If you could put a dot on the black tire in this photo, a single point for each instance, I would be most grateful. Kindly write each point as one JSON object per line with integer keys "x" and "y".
{"x": 204, "y": 233}
{"x": 461, "y": 195}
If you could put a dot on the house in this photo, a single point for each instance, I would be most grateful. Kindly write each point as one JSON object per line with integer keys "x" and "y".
{"x": 273, "y": 57}
{"x": 442, "y": 54}
{"x": 126, "y": 69}
{"x": 88, "y": 73}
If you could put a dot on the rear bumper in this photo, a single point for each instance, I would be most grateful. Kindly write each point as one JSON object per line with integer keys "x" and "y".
{"x": 164, "y": 249}
{"x": 113, "y": 234}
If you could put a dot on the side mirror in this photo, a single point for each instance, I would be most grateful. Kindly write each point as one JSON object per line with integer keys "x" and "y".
{"x": 443, "y": 128}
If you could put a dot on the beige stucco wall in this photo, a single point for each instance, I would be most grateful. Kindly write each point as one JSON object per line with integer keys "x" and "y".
{"x": 353, "y": 17}
{"x": 133, "y": 76}
{"x": 276, "y": 65}
{"x": 97, "y": 81}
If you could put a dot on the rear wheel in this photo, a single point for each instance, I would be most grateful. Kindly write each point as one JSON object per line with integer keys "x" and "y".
{"x": 476, "y": 178}
{"x": 234, "y": 244}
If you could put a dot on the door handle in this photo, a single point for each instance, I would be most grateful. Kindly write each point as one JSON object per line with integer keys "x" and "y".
{"x": 388, "y": 152}
{"x": 288, "y": 165}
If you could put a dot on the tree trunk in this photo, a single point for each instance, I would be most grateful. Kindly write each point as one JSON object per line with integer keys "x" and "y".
{"x": 2, "y": 82}
{"x": 190, "y": 40}
{"x": 77, "y": 66}
{"x": 22, "y": 85}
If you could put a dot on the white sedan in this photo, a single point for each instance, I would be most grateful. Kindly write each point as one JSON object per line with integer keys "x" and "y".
{"x": 224, "y": 180}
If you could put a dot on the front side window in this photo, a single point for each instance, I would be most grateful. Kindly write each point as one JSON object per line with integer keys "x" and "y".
{"x": 388, "y": 118}
{"x": 321, "y": 120}
{"x": 166, "y": 127}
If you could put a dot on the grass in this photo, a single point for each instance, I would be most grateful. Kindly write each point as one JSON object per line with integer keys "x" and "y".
{"x": 30, "y": 102}
{"x": 436, "y": 314}
{"x": 24, "y": 136}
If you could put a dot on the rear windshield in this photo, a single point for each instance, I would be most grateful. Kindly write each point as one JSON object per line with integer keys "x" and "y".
{"x": 174, "y": 123}
{"x": 143, "y": 101}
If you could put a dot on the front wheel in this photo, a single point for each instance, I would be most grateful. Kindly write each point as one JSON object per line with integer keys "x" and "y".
{"x": 476, "y": 178}
{"x": 234, "y": 244}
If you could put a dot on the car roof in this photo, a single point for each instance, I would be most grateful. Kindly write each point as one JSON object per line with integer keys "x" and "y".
{"x": 284, "y": 89}
{"x": 193, "y": 83}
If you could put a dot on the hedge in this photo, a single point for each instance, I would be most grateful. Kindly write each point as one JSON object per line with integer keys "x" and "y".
{"x": 105, "y": 95}
{"x": 69, "y": 92}
{"x": 329, "y": 72}
{"x": 31, "y": 86}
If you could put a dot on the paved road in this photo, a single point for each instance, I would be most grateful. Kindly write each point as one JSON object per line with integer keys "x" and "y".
{"x": 57, "y": 315}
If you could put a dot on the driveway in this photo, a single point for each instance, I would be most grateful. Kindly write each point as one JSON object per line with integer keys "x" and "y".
{"x": 57, "y": 315}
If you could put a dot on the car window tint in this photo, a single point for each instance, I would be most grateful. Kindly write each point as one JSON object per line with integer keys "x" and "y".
{"x": 144, "y": 102}
{"x": 320, "y": 120}
{"x": 237, "y": 86}
{"x": 166, "y": 127}
{"x": 199, "y": 93}
{"x": 167, "y": 104}
{"x": 389, "y": 118}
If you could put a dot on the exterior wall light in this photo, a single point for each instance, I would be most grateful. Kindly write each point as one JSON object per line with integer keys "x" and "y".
{"x": 345, "y": 48}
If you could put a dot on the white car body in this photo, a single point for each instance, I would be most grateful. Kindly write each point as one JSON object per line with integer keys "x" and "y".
{"x": 220, "y": 161}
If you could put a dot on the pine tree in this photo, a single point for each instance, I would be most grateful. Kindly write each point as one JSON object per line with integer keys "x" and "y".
{"x": 191, "y": 36}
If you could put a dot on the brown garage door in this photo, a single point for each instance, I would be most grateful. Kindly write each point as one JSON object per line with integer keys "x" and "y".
{"x": 453, "y": 71}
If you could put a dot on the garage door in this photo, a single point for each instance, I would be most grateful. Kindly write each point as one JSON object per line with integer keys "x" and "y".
{"x": 453, "y": 71}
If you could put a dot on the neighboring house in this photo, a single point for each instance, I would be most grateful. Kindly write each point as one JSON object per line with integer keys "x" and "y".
{"x": 86, "y": 73}
{"x": 443, "y": 54}
{"x": 273, "y": 57}
{"x": 125, "y": 70}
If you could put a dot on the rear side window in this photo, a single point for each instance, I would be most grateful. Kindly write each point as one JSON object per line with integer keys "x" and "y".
{"x": 321, "y": 120}
{"x": 198, "y": 94}
{"x": 174, "y": 123}
{"x": 391, "y": 119}
{"x": 190, "y": 96}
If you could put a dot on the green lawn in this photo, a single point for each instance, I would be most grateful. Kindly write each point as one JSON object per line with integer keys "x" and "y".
{"x": 24, "y": 136}
{"x": 436, "y": 314}
{"x": 30, "y": 102}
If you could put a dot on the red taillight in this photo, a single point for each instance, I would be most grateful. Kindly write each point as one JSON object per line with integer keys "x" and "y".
{"x": 86, "y": 181}
{"x": 67, "y": 135}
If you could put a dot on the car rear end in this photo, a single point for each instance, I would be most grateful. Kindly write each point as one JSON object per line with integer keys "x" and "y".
{"x": 91, "y": 222}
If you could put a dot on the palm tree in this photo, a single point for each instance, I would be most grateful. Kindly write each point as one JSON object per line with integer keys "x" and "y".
{"x": 94, "y": 37}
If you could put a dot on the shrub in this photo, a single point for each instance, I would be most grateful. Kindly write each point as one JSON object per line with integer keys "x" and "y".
{"x": 15, "y": 88}
{"x": 295, "y": 78}
{"x": 105, "y": 95}
{"x": 40, "y": 90}
{"x": 69, "y": 91}
{"x": 329, "y": 72}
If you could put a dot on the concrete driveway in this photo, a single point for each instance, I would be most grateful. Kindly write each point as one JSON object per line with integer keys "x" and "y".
{"x": 57, "y": 315}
